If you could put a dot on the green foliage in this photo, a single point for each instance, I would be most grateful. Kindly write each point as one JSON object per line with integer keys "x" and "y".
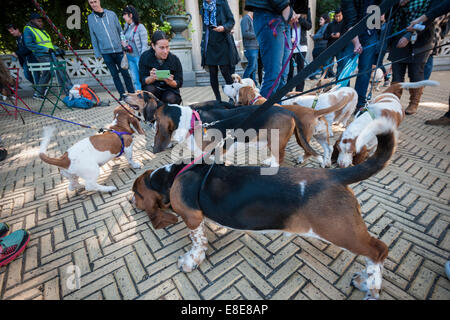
{"x": 324, "y": 7}
{"x": 18, "y": 13}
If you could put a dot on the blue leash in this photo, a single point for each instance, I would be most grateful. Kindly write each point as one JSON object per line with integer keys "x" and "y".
{"x": 352, "y": 54}
{"x": 53, "y": 117}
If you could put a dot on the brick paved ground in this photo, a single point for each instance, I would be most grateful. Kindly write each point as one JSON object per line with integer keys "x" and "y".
{"x": 120, "y": 256}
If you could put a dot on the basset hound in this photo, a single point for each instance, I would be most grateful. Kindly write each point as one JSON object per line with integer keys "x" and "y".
{"x": 312, "y": 202}
{"x": 384, "y": 106}
{"x": 85, "y": 157}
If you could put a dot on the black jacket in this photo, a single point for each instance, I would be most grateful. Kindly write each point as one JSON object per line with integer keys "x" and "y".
{"x": 148, "y": 61}
{"x": 334, "y": 27}
{"x": 221, "y": 49}
{"x": 23, "y": 53}
{"x": 353, "y": 11}
{"x": 276, "y": 6}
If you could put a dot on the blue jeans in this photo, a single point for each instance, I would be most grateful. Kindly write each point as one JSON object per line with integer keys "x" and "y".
{"x": 112, "y": 61}
{"x": 252, "y": 66}
{"x": 365, "y": 61}
{"x": 133, "y": 66}
{"x": 428, "y": 68}
{"x": 274, "y": 54}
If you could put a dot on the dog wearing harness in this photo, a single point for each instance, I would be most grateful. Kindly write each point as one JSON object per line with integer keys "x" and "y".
{"x": 384, "y": 106}
{"x": 84, "y": 158}
{"x": 310, "y": 202}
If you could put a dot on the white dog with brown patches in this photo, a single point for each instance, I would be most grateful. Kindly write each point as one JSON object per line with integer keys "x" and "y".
{"x": 349, "y": 149}
{"x": 246, "y": 81}
{"x": 85, "y": 157}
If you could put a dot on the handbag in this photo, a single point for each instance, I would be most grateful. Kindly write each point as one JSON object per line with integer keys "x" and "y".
{"x": 124, "y": 62}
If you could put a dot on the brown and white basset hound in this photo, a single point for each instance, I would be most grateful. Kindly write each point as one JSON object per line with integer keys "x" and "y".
{"x": 386, "y": 106}
{"x": 311, "y": 202}
{"x": 175, "y": 123}
{"x": 314, "y": 121}
{"x": 84, "y": 158}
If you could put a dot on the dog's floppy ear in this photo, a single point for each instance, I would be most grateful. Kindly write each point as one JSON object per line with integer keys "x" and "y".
{"x": 136, "y": 124}
{"x": 361, "y": 156}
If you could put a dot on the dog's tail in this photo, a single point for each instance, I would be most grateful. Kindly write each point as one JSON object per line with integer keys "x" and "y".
{"x": 419, "y": 84}
{"x": 336, "y": 107}
{"x": 62, "y": 161}
{"x": 386, "y": 133}
{"x": 299, "y": 134}
{"x": 396, "y": 88}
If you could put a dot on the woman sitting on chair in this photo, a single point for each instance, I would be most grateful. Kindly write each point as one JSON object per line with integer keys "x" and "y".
{"x": 160, "y": 71}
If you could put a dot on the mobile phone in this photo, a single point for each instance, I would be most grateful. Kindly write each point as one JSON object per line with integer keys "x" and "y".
{"x": 162, "y": 74}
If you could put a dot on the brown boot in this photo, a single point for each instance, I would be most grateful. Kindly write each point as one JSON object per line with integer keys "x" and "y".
{"x": 414, "y": 99}
{"x": 395, "y": 89}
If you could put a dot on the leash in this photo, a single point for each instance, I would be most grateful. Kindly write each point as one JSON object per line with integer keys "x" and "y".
{"x": 61, "y": 36}
{"x": 100, "y": 130}
{"x": 355, "y": 75}
{"x": 294, "y": 45}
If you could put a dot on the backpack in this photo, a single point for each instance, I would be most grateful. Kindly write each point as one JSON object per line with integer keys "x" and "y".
{"x": 88, "y": 93}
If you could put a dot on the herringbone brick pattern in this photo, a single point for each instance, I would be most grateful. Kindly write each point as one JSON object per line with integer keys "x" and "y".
{"x": 111, "y": 248}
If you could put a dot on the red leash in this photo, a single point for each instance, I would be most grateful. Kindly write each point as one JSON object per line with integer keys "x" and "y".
{"x": 294, "y": 45}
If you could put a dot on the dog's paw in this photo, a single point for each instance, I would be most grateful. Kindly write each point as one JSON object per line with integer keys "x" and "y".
{"x": 135, "y": 165}
{"x": 190, "y": 260}
{"x": 300, "y": 159}
{"x": 108, "y": 189}
{"x": 75, "y": 187}
{"x": 359, "y": 281}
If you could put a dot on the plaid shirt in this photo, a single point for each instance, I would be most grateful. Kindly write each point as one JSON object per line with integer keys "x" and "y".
{"x": 411, "y": 11}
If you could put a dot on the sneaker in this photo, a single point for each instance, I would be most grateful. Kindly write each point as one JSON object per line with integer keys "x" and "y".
{"x": 38, "y": 97}
{"x": 447, "y": 269}
{"x": 4, "y": 229}
{"x": 12, "y": 246}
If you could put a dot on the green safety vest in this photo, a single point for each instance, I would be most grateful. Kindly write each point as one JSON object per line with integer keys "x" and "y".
{"x": 42, "y": 37}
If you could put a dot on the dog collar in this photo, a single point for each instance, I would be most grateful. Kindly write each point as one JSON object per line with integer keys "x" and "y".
{"x": 315, "y": 101}
{"x": 120, "y": 134}
{"x": 366, "y": 109}
{"x": 255, "y": 99}
{"x": 195, "y": 117}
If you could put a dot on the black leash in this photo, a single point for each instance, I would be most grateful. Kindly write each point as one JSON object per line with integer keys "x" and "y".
{"x": 359, "y": 73}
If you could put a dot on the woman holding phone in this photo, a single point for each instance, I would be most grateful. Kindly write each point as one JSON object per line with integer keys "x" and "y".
{"x": 218, "y": 49}
{"x": 160, "y": 71}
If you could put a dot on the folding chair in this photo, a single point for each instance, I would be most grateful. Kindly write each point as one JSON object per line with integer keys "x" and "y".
{"x": 50, "y": 95}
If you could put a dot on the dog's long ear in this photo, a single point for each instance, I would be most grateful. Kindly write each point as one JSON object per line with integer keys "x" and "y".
{"x": 137, "y": 125}
{"x": 361, "y": 156}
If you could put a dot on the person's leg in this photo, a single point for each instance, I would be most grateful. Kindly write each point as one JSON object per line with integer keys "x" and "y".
{"x": 271, "y": 47}
{"x": 415, "y": 73}
{"x": 286, "y": 54}
{"x": 27, "y": 74}
{"x": 113, "y": 69}
{"x": 226, "y": 71}
{"x": 125, "y": 74}
{"x": 292, "y": 64}
{"x": 133, "y": 65}
{"x": 428, "y": 68}
{"x": 45, "y": 76}
{"x": 214, "y": 81}
{"x": 300, "y": 59}
{"x": 152, "y": 89}
{"x": 260, "y": 69}
{"x": 364, "y": 64}
{"x": 171, "y": 97}
{"x": 252, "y": 66}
